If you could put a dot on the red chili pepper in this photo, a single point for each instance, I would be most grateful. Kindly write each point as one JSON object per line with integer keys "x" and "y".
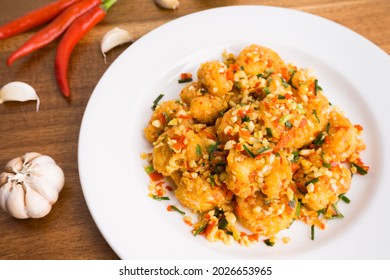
{"x": 76, "y": 31}
{"x": 54, "y": 29}
{"x": 34, "y": 18}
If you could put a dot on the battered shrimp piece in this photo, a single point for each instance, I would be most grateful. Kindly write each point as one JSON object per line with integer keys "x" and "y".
{"x": 192, "y": 90}
{"x": 343, "y": 138}
{"x": 312, "y": 119}
{"x": 162, "y": 154}
{"x": 229, "y": 126}
{"x": 263, "y": 216}
{"x": 178, "y": 149}
{"x": 200, "y": 196}
{"x": 256, "y": 60}
{"x": 207, "y": 108}
{"x": 268, "y": 173}
{"x": 162, "y": 115}
{"x": 214, "y": 77}
{"x": 320, "y": 185}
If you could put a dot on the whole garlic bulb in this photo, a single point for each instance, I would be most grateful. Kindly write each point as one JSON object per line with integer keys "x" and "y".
{"x": 30, "y": 186}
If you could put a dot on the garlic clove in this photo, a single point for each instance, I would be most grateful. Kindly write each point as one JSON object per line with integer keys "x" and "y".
{"x": 114, "y": 38}
{"x": 14, "y": 165}
{"x": 15, "y": 201}
{"x": 18, "y": 91}
{"x": 48, "y": 181}
{"x": 36, "y": 205}
{"x": 47, "y": 178}
{"x": 168, "y": 4}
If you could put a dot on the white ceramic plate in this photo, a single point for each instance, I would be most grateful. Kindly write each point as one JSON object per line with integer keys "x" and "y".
{"x": 353, "y": 73}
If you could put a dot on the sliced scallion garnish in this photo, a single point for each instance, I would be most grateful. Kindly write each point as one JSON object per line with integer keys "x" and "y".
{"x": 155, "y": 102}
{"x": 198, "y": 150}
{"x": 284, "y": 83}
{"x": 174, "y": 208}
{"x": 149, "y": 169}
{"x": 359, "y": 169}
{"x": 251, "y": 154}
{"x": 312, "y": 232}
{"x": 315, "y": 114}
{"x": 317, "y": 88}
{"x": 344, "y": 198}
{"x": 159, "y": 198}
{"x": 268, "y": 242}
{"x": 269, "y": 132}
{"x": 200, "y": 229}
{"x": 313, "y": 181}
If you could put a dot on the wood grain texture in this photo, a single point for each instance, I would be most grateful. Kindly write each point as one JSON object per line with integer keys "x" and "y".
{"x": 69, "y": 231}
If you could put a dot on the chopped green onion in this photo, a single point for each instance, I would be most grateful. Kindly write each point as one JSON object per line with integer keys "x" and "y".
{"x": 281, "y": 97}
{"x": 300, "y": 108}
{"x": 315, "y": 114}
{"x": 288, "y": 124}
{"x": 284, "y": 83}
{"x": 174, "y": 208}
{"x": 327, "y": 165}
{"x": 290, "y": 80}
{"x": 313, "y": 181}
{"x": 266, "y": 90}
{"x": 319, "y": 139}
{"x": 337, "y": 211}
{"x": 198, "y": 150}
{"x": 317, "y": 88}
{"x": 155, "y": 102}
{"x": 222, "y": 223}
{"x": 149, "y": 169}
{"x": 185, "y": 80}
{"x": 296, "y": 156}
{"x": 268, "y": 242}
{"x": 159, "y": 198}
{"x": 263, "y": 149}
{"x": 242, "y": 68}
{"x": 245, "y": 119}
{"x": 327, "y": 128}
{"x": 359, "y": 169}
{"x": 252, "y": 155}
{"x": 312, "y": 232}
{"x": 269, "y": 132}
{"x": 200, "y": 229}
{"x": 212, "y": 181}
{"x": 269, "y": 71}
{"x": 284, "y": 118}
{"x": 298, "y": 209}
{"x": 344, "y": 198}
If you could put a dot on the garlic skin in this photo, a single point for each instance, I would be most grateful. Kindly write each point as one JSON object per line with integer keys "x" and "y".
{"x": 30, "y": 185}
{"x": 168, "y": 4}
{"x": 114, "y": 38}
{"x": 18, "y": 91}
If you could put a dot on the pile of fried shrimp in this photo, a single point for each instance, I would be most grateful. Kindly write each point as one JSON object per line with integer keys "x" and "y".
{"x": 254, "y": 143}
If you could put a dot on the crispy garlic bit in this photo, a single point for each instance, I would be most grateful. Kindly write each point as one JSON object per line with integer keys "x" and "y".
{"x": 30, "y": 185}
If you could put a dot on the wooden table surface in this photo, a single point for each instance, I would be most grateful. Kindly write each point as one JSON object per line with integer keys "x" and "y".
{"x": 69, "y": 231}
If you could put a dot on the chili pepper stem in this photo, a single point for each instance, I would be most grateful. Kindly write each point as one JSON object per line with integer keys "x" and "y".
{"x": 108, "y": 4}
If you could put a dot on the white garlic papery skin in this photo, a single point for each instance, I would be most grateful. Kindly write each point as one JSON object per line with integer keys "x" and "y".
{"x": 168, "y": 4}
{"x": 30, "y": 186}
